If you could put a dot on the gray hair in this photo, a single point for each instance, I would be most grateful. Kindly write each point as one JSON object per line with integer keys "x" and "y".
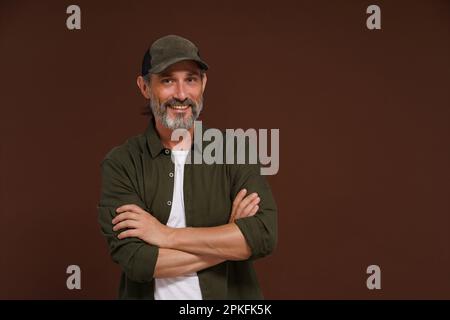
{"x": 148, "y": 79}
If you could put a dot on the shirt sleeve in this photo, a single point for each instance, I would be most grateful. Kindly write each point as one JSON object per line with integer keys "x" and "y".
{"x": 260, "y": 230}
{"x": 136, "y": 258}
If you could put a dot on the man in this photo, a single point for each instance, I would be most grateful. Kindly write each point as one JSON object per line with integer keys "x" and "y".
{"x": 181, "y": 230}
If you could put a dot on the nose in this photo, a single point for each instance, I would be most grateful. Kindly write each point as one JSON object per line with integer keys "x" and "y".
{"x": 180, "y": 92}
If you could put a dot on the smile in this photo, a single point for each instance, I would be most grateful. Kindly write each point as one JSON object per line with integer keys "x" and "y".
{"x": 179, "y": 107}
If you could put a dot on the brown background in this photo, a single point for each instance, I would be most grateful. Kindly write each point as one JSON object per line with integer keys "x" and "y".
{"x": 364, "y": 123}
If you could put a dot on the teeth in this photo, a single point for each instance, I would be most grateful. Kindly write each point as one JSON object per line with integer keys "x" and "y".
{"x": 179, "y": 107}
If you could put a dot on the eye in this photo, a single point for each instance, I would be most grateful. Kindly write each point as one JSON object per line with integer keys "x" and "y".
{"x": 192, "y": 79}
{"x": 166, "y": 81}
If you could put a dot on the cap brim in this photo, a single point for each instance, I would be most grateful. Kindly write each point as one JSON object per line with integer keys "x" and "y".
{"x": 164, "y": 65}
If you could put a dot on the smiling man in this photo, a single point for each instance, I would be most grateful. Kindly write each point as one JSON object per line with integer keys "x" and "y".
{"x": 181, "y": 230}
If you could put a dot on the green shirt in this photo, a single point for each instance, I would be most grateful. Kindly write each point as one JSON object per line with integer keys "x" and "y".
{"x": 140, "y": 172}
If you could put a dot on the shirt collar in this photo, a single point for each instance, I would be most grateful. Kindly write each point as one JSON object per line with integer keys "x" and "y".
{"x": 155, "y": 145}
{"x": 153, "y": 141}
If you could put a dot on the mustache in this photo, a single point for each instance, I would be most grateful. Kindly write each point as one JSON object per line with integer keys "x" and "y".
{"x": 176, "y": 102}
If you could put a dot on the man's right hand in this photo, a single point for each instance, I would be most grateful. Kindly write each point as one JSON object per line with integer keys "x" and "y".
{"x": 244, "y": 206}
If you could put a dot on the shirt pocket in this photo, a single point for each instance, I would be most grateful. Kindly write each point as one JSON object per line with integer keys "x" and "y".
{"x": 211, "y": 201}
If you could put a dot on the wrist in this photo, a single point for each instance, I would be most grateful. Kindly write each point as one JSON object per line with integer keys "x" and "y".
{"x": 170, "y": 237}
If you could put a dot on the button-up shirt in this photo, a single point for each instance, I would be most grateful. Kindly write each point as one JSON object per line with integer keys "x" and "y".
{"x": 140, "y": 172}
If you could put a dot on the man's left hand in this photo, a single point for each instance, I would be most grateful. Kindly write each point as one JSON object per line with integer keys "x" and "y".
{"x": 140, "y": 224}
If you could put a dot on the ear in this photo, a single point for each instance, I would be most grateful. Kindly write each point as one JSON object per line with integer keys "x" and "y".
{"x": 143, "y": 86}
{"x": 205, "y": 78}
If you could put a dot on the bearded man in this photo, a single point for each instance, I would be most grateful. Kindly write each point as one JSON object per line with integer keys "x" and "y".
{"x": 180, "y": 230}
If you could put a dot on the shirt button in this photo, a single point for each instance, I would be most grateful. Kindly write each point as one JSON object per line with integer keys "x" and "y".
{"x": 171, "y": 174}
{"x": 167, "y": 151}
{"x": 169, "y": 203}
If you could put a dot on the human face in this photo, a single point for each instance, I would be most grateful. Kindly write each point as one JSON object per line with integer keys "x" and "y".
{"x": 176, "y": 95}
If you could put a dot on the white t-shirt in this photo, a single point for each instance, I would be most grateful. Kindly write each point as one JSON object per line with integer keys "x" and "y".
{"x": 186, "y": 287}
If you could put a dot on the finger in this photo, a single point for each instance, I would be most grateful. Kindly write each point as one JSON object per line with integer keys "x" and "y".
{"x": 246, "y": 201}
{"x": 233, "y": 214}
{"x": 129, "y": 207}
{"x": 232, "y": 217}
{"x": 250, "y": 207}
{"x": 241, "y": 194}
{"x": 126, "y": 224}
{"x": 128, "y": 234}
{"x": 236, "y": 202}
{"x": 254, "y": 211}
{"x": 245, "y": 206}
{"x": 125, "y": 216}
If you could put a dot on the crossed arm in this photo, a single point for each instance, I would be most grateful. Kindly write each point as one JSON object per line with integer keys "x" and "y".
{"x": 187, "y": 250}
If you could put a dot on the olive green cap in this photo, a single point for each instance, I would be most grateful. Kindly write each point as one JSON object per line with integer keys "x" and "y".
{"x": 169, "y": 50}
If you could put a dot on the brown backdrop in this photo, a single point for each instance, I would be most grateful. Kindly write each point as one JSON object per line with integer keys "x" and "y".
{"x": 363, "y": 116}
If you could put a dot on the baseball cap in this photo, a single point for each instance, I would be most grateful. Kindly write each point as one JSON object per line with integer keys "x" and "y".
{"x": 169, "y": 50}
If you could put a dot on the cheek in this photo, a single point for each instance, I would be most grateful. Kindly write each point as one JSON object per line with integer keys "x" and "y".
{"x": 195, "y": 94}
{"x": 161, "y": 96}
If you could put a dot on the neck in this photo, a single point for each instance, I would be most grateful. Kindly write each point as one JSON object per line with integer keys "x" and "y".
{"x": 165, "y": 134}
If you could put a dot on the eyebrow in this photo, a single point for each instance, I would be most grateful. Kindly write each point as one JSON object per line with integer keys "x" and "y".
{"x": 194, "y": 73}
{"x": 170, "y": 74}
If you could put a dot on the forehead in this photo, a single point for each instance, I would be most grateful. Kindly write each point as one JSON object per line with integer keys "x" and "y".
{"x": 182, "y": 67}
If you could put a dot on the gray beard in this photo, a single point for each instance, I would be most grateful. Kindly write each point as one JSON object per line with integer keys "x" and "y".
{"x": 179, "y": 122}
